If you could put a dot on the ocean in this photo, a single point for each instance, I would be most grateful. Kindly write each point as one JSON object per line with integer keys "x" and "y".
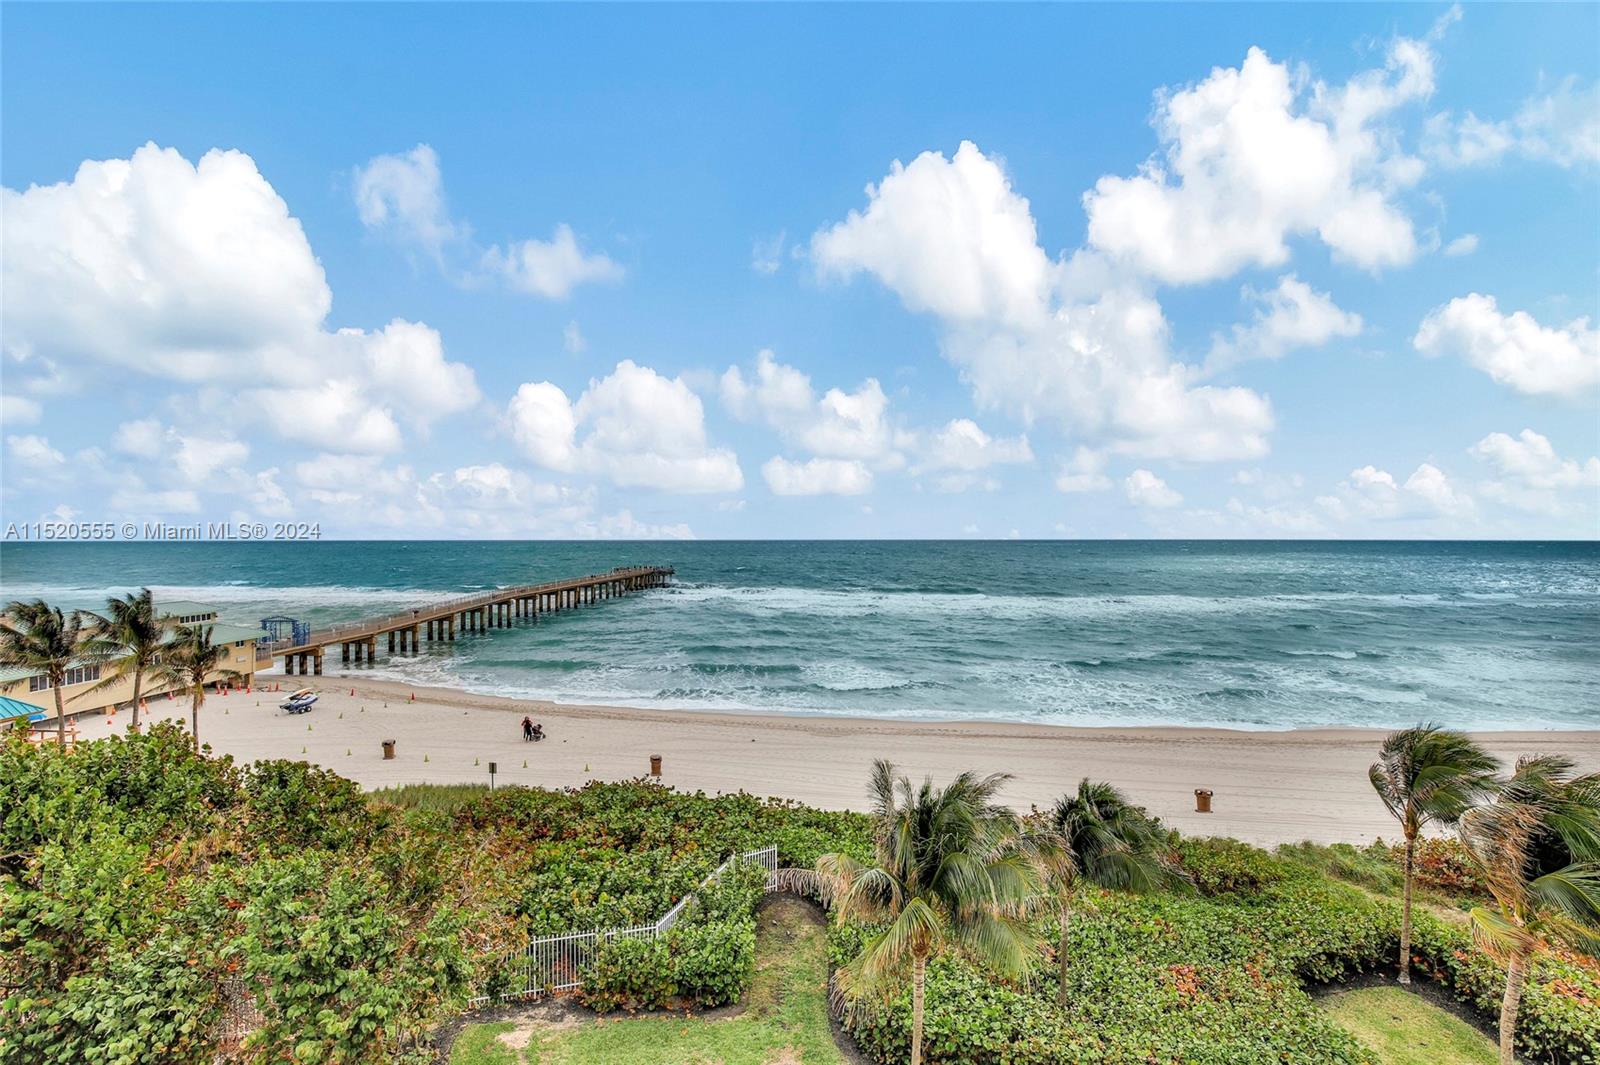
{"x": 1260, "y": 635}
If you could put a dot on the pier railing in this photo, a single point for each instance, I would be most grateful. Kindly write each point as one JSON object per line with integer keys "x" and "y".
{"x": 550, "y": 964}
{"x": 442, "y": 607}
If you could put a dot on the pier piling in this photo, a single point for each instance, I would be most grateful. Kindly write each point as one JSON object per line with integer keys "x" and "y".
{"x": 498, "y": 609}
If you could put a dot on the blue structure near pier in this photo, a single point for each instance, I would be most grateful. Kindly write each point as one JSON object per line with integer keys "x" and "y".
{"x": 280, "y": 628}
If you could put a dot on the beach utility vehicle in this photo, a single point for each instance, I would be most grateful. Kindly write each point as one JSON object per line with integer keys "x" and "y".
{"x": 300, "y": 702}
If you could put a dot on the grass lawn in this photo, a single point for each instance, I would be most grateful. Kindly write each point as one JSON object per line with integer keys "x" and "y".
{"x": 785, "y": 1021}
{"x": 1405, "y": 1029}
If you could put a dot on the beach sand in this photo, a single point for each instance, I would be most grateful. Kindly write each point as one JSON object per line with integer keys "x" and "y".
{"x": 1270, "y": 787}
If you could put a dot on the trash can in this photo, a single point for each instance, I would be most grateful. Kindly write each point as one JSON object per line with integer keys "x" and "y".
{"x": 388, "y": 750}
{"x": 1202, "y": 800}
{"x": 655, "y": 765}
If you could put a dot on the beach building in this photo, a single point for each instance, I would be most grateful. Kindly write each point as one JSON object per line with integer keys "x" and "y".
{"x": 33, "y": 689}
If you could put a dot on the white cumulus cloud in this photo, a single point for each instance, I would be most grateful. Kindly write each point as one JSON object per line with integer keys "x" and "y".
{"x": 19, "y": 410}
{"x": 1374, "y": 492}
{"x": 549, "y": 268}
{"x": 814, "y": 477}
{"x": 963, "y": 445}
{"x": 403, "y": 192}
{"x": 1253, "y": 156}
{"x": 1531, "y": 460}
{"x": 34, "y": 452}
{"x": 198, "y": 273}
{"x": 1145, "y": 489}
{"x": 1084, "y": 472}
{"x": 634, "y": 427}
{"x": 1292, "y": 315}
{"x": 1514, "y": 349}
{"x": 846, "y": 433}
{"x": 1035, "y": 338}
{"x": 1560, "y": 127}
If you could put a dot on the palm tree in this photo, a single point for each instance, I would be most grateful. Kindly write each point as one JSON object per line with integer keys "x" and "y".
{"x": 1427, "y": 775}
{"x": 42, "y": 639}
{"x": 188, "y": 662}
{"x": 1098, "y": 837}
{"x": 1537, "y": 844}
{"x": 947, "y": 869}
{"x": 131, "y": 637}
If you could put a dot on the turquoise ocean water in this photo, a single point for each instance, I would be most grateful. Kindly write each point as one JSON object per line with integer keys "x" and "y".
{"x": 1241, "y": 634}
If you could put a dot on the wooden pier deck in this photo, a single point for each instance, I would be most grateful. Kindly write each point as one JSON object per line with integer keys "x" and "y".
{"x": 404, "y": 631}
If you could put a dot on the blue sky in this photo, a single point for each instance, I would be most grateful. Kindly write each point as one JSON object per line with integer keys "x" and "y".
{"x": 805, "y": 270}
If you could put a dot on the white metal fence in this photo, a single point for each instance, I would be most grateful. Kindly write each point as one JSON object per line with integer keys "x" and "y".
{"x": 556, "y": 963}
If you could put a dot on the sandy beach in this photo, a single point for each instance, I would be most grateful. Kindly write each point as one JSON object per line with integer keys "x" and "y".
{"x": 1270, "y": 787}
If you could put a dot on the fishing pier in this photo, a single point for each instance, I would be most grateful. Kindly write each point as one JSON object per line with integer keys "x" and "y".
{"x": 404, "y": 632}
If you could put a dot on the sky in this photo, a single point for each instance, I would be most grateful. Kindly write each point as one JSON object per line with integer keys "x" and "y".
{"x": 804, "y": 270}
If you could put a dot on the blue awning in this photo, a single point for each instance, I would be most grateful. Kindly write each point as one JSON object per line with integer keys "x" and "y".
{"x": 11, "y": 709}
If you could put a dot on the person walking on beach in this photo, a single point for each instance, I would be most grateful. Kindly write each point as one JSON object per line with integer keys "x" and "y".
{"x": 527, "y": 729}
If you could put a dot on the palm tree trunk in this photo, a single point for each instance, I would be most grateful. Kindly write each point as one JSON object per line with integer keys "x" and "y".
{"x": 1405, "y": 912}
{"x": 919, "y": 971}
{"x": 61, "y": 717}
{"x": 1516, "y": 973}
{"x": 138, "y": 678}
{"x": 1061, "y": 957}
{"x": 194, "y": 712}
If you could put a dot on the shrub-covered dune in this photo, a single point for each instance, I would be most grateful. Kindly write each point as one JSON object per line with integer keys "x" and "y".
{"x": 161, "y": 906}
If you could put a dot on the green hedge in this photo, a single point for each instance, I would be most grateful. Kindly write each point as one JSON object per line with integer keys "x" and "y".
{"x": 620, "y": 854}
{"x": 1560, "y": 1017}
{"x": 140, "y": 878}
{"x": 1214, "y": 981}
{"x": 1217, "y": 977}
{"x": 707, "y": 959}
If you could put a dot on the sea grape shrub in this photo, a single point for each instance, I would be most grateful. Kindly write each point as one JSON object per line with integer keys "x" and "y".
{"x": 970, "y": 1018}
{"x": 570, "y": 886}
{"x": 644, "y": 815}
{"x": 105, "y": 960}
{"x": 692, "y": 965}
{"x": 1560, "y": 1017}
{"x": 1218, "y": 866}
{"x": 293, "y": 805}
{"x": 734, "y": 896}
{"x": 1443, "y": 865}
{"x": 620, "y": 854}
{"x": 336, "y": 967}
{"x": 628, "y": 974}
{"x": 150, "y": 786}
{"x": 706, "y": 959}
{"x": 107, "y": 943}
{"x": 141, "y": 881}
{"x": 713, "y": 963}
{"x": 1155, "y": 978}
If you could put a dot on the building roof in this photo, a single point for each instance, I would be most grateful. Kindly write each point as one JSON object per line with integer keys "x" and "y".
{"x": 10, "y": 709}
{"x": 222, "y": 632}
{"x": 171, "y": 608}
